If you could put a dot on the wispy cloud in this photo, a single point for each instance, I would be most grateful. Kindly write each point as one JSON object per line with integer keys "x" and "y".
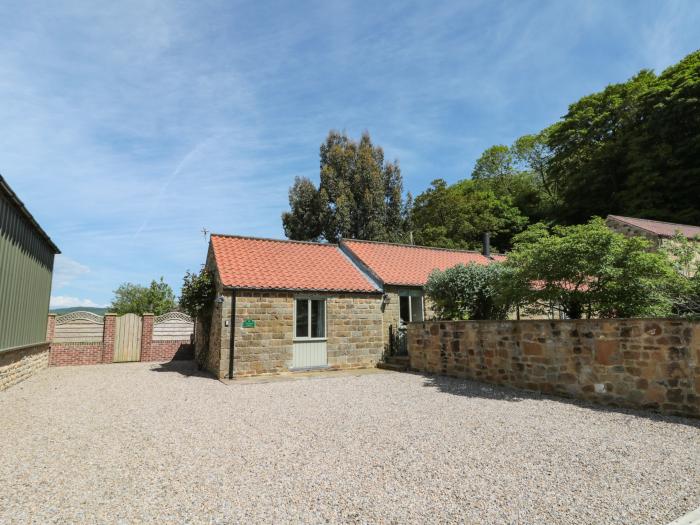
{"x": 66, "y": 271}
{"x": 128, "y": 127}
{"x": 64, "y": 301}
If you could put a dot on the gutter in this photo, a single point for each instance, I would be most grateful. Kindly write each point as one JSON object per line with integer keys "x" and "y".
{"x": 232, "y": 344}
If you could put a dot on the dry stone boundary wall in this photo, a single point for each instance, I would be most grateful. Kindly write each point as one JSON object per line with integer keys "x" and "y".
{"x": 639, "y": 363}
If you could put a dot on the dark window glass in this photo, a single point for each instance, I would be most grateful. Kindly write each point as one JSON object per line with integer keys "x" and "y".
{"x": 318, "y": 318}
{"x": 404, "y": 311}
{"x": 416, "y": 308}
{"x": 302, "y": 328}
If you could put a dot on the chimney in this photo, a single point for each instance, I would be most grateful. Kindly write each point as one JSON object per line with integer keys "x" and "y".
{"x": 486, "y": 240}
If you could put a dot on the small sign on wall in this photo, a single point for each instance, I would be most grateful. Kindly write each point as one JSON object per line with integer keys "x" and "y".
{"x": 248, "y": 323}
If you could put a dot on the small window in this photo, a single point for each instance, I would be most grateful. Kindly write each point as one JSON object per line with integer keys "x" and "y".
{"x": 411, "y": 308}
{"x": 302, "y": 329}
{"x": 416, "y": 308}
{"x": 405, "y": 308}
{"x": 310, "y": 320}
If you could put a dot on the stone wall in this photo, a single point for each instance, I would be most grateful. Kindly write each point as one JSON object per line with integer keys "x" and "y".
{"x": 354, "y": 332}
{"x": 21, "y": 363}
{"x": 639, "y": 363}
{"x": 355, "y": 338}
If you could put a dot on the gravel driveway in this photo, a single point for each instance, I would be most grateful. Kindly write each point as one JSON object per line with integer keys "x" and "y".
{"x": 149, "y": 443}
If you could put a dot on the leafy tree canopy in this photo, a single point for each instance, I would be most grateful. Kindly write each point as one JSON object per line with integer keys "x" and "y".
{"x": 158, "y": 299}
{"x": 590, "y": 270}
{"x": 360, "y": 196}
{"x": 456, "y": 216}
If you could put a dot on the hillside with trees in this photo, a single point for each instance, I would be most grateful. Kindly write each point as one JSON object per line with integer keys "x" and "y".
{"x": 631, "y": 149}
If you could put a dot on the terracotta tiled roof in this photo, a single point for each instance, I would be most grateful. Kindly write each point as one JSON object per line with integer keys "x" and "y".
{"x": 403, "y": 264}
{"x": 662, "y": 229}
{"x": 252, "y": 263}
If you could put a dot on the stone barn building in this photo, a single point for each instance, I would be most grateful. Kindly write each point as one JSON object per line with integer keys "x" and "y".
{"x": 291, "y": 305}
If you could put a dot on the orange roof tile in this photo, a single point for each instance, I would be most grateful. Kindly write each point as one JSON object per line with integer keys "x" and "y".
{"x": 660, "y": 228}
{"x": 407, "y": 265}
{"x": 253, "y": 263}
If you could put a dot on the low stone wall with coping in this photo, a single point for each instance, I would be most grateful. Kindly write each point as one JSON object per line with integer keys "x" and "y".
{"x": 637, "y": 363}
{"x": 18, "y": 364}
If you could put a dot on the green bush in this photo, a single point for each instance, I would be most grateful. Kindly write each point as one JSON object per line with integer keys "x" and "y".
{"x": 469, "y": 292}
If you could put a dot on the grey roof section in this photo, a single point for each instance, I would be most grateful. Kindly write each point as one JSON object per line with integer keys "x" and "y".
{"x": 7, "y": 191}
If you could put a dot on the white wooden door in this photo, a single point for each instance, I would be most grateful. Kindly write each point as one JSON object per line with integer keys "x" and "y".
{"x": 309, "y": 354}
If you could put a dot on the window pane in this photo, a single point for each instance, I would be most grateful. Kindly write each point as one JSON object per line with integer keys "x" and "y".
{"x": 302, "y": 329}
{"x": 416, "y": 308}
{"x": 318, "y": 319}
{"x": 403, "y": 308}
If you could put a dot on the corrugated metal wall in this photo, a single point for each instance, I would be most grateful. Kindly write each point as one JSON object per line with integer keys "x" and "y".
{"x": 26, "y": 265}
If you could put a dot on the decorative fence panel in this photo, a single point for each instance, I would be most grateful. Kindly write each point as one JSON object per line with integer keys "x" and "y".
{"x": 79, "y": 327}
{"x": 173, "y": 326}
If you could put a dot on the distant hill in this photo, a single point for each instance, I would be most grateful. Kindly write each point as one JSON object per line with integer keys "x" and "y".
{"x": 64, "y": 311}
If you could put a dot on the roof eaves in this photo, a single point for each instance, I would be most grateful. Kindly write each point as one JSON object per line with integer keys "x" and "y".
{"x": 5, "y": 187}
{"x": 309, "y": 290}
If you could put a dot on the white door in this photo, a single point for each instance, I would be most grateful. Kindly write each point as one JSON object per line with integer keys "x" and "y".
{"x": 309, "y": 349}
{"x": 309, "y": 354}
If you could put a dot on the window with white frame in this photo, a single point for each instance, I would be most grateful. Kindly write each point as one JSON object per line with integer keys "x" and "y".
{"x": 310, "y": 318}
{"x": 411, "y": 307}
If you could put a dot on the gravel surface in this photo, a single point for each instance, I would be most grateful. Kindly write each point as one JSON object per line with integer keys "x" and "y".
{"x": 149, "y": 443}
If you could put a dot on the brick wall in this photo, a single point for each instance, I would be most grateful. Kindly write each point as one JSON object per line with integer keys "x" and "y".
{"x": 354, "y": 332}
{"x": 96, "y": 350}
{"x": 652, "y": 363}
{"x": 19, "y": 364}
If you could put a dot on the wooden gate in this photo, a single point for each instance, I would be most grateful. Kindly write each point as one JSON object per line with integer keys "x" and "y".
{"x": 127, "y": 338}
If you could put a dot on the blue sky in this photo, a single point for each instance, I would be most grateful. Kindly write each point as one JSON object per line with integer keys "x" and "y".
{"x": 127, "y": 127}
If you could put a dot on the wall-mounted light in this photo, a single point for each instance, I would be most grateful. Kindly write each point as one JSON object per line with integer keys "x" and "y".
{"x": 219, "y": 300}
{"x": 386, "y": 299}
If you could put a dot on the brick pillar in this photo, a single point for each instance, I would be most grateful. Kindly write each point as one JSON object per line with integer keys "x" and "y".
{"x": 146, "y": 337}
{"x": 108, "y": 338}
{"x": 50, "y": 327}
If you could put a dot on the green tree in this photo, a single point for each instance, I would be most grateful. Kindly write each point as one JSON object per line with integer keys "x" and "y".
{"x": 473, "y": 291}
{"x": 456, "y": 216}
{"x": 360, "y": 196}
{"x": 197, "y": 300}
{"x": 589, "y": 270}
{"x": 304, "y": 221}
{"x": 521, "y": 173}
{"x": 157, "y": 299}
{"x": 590, "y": 146}
{"x": 663, "y": 157}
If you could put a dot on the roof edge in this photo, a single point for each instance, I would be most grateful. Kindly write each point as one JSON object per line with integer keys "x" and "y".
{"x": 254, "y": 238}
{"x": 301, "y": 290}
{"x": 626, "y": 220}
{"x": 416, "y": 246}
{"x": 5, "y": 187}
{"x": 361, "y": 267}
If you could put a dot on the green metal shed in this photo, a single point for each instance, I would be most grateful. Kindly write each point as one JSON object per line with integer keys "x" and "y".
{"x": 26, "y": 267}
